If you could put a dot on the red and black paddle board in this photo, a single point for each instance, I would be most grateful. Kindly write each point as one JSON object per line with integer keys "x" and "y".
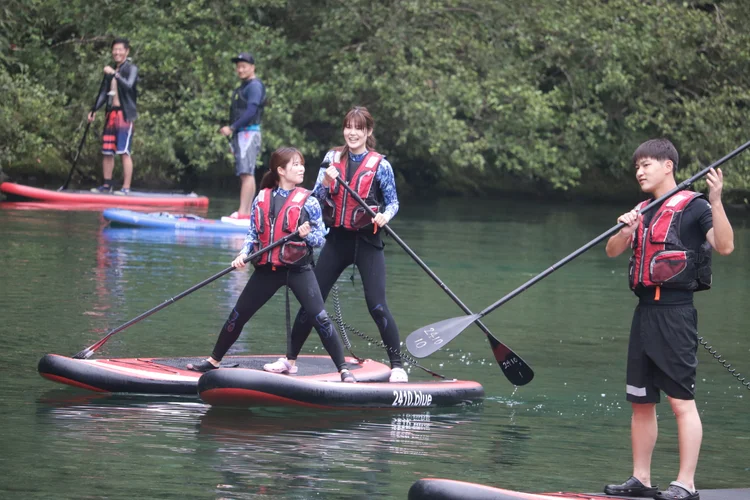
{"x": 447, "y": 489}
{"x": 171, "y": 376}
{"x": 252, "y": 388}
{"x": 19, "y": 192}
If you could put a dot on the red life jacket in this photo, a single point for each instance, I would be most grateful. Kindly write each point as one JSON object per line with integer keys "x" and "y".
{"x": 340, "y": 209}
{"x": 273, "y": 223}
{"x": 659, "y": 256}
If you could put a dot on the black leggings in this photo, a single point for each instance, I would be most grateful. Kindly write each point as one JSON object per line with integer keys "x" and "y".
{"x": 261, "y": 286}
{"x": 336, "y": 255}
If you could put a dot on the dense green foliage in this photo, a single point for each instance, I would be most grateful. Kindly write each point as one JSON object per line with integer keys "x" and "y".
{"x": 468, "y": 95}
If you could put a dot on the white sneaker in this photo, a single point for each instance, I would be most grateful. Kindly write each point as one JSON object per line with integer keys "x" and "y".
{"x": 280, "y": 366}
{"x": 398, "y": 375}
{"x": 235, "y": 219}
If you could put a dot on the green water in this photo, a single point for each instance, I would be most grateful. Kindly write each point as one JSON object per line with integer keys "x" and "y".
{"x": 66, "y": 279}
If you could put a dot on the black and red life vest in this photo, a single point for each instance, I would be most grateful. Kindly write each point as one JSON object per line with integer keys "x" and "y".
{"x": 659, "y": 256}
{"x": 274, "y": 220}
{"x": 340, "y": 209}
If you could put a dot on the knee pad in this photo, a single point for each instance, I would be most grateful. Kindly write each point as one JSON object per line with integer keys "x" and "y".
{"x": 230, "y": 324}
{"x": 379, "y": 315}
{"x": 323, "y": 324}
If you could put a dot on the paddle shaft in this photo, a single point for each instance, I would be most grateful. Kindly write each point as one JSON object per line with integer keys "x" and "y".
{"x": 80, "y": 144}
{"x": 610, "y": 232}
{"x": 414, "y": 256}
{"x": 90, "y": 350}
{"x": 497, "y": 346}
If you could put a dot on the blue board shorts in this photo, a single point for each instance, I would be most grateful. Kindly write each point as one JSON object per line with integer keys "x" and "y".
{"x": 246, "y": 149}
{"x": 118, "y": 134}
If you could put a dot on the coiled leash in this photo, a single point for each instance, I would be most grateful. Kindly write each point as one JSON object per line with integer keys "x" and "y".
{"x": 718, "y": 357}
{"x": 343, "y": 327}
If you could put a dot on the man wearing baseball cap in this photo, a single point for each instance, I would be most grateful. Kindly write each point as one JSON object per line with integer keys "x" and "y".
{"x": 245, "y": 115}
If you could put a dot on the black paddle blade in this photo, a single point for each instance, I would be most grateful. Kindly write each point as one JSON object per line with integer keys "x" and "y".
{"x": 515, "y": 369}
{"x": 428, "y": 339}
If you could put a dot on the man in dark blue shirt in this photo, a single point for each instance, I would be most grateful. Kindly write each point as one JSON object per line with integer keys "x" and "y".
{"x": 245, "y": 115}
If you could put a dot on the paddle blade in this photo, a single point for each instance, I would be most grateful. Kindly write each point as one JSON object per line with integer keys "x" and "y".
{"x": 428, "y": 339}
{"x": 515, "y": 369}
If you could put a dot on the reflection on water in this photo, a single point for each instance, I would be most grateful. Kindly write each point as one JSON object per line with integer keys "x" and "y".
{"x": 230, "y": 241}
{"x": 279, "y": 452}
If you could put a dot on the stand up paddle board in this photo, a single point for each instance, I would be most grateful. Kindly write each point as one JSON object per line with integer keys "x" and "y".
{"x": 171, "y": 376}
{"x": 19, "y": 192}
{"x": 162, "y": 220}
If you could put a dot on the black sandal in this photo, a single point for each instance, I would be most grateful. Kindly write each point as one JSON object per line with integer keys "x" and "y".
{"x": 677, "y": 491}
{"x": 204, "y": 366}
{"x": 631, "y": 488}
{"x": 346, "y": 376}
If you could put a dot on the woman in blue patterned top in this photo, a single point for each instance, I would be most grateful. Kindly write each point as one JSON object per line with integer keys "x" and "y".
{"x": 280, "y": 209}
{"x": 353, "y": 236}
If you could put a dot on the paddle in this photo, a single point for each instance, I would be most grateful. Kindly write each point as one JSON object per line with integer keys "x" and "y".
{"x": 515, "y": 369}
{"x": 429, "y": 339}
{"x": 86, "y": 353}
{"x": 80, "y": 144}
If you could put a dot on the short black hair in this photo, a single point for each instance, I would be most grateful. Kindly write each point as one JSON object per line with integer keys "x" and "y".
{"x": 658, "y": 149}
{"x": 124, "y": 41}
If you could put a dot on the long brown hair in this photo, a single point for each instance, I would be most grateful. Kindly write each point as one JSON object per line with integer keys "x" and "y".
{"x": 279, "y": 158}
{"x": 358, "y": 117}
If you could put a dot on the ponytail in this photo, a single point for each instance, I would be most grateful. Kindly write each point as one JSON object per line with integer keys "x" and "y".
{"x": 279, "y": 158}
{"x": 270, "y": 180}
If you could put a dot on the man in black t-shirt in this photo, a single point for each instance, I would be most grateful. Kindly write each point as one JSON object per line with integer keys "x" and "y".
{"x": 671, "y": 260}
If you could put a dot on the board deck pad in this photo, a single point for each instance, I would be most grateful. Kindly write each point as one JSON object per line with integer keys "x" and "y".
{"x": 307, "y": 366}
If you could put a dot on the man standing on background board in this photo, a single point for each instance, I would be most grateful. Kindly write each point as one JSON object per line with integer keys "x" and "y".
{"x": 245, "y": 115}
{"x": 119, "y": 92}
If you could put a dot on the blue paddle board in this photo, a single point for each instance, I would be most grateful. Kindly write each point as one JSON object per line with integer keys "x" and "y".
{"x": 180, "y": 222}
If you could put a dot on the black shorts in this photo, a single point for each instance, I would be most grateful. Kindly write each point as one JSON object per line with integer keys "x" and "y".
{"x": 662, "y": 353}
